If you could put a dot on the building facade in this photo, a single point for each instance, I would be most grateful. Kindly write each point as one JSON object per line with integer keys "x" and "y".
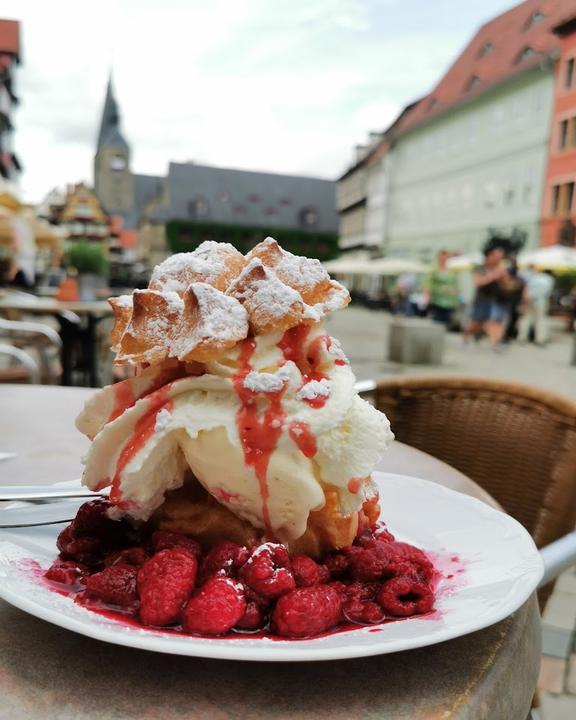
{"x": 474, "y": 154}
{"x": 559, "y": 201}
{"x": 478, "y": 167}
{"x": 193, "y": 203}
{"x": 10, "y": 57}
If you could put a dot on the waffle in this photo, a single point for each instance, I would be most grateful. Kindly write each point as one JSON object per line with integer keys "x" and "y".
{"x": 202, "y": 303}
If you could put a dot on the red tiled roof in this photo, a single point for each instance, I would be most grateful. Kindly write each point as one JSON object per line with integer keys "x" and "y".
{"x": 10, "y": 37}
{"x": 499, "y": 51}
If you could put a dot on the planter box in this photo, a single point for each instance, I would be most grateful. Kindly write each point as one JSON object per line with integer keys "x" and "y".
{"x": 416, "y": 341}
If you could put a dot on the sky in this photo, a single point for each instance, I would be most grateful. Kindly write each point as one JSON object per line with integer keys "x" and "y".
{"x": 285, "y": 86}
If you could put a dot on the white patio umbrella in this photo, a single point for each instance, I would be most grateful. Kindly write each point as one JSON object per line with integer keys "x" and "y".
{"x": 395, "y": 266}
{"x": 465, "y": 262}
{"x": 553, "y": 257}
{"x": 381, "y": 266}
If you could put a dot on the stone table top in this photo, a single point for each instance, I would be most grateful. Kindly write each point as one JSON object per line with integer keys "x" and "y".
{"x": 48, "y": 672}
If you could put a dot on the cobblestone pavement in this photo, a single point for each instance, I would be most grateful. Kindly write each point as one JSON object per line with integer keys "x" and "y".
{"x": 364, "y": 336}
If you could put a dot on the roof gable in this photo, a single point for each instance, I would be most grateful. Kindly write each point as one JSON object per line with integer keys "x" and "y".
{"x": 508, "y": 45}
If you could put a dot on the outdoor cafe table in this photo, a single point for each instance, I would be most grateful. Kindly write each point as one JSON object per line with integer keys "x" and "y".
{"x": 48, "y": 672}
{"x": 94, "y": 311}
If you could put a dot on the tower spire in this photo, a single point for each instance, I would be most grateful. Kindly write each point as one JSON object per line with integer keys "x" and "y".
{"x": 110, "y": 132}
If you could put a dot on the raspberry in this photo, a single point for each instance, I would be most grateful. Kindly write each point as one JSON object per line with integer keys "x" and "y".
{"x": 84, "y": 549}
{"x": 226, "y": 556}
{"x": 361, "y": 612}
{"x": 253, "y": 618}
{"x": 164, "y": 539}
{"x": 306, "y": 572}
{"x": 383, "y": 535}
{"x": 337, "y": 565}
{"x": 307, "y": 611}
{"x": 91, "y": 518}
{"x": 266, "y": 571}
{"x": 165, "y": 582}
{"x": 362, "y": 591}
{"x": 115, "y": 585}
{"x": 215, "y": 608}
{"x": 368, "y": 564}
{"x": 263, "y": 603}
{"x": 405, "y": 559}
{"x": 135, "y": 556}
{"x": 404, "y": 596}
{"x": 67, "y": 572}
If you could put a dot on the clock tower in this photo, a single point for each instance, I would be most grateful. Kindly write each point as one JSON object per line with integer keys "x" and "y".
{"x": 113, "y": 181}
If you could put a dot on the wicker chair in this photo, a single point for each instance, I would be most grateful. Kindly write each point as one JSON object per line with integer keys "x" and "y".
{"x": 517, "y": 442}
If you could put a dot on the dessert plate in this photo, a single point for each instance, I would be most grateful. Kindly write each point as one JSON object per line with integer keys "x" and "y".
{"x": 489, "y": 564}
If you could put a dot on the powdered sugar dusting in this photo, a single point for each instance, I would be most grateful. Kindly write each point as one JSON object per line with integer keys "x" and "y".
{"x": 268, "y": 295}
{"x": 123, "y": 301}
{"x": 162, "y": 420}
{"x": 315, "y": 389}
{"x": 261, "y": 382}
{"x": 205, "y": 264}
{"x": 221, "y": 319}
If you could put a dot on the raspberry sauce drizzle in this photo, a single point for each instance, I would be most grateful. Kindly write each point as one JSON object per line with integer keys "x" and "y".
{"x": 143, "y": 431}
{"x": 309, "y": 361}
{"x": 125, "y": 397}
{"x": 259, "y": 433}
{"x": 304, "y": 438}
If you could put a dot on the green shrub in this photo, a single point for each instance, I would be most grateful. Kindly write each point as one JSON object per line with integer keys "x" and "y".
{"x": 87, "y": 257}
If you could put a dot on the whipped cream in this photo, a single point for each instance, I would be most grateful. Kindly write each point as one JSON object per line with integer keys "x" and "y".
{"x": 145, "y": 447}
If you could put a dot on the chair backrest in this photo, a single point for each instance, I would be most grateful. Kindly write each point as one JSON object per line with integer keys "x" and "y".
{"x": 21, "y": 367}
{"x": 517, "y": 442}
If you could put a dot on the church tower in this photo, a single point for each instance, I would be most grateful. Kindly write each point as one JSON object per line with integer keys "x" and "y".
{"x": 113, "y": 179}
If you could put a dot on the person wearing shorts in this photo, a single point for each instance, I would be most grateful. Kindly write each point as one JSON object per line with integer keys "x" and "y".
{"x": 489, "y": 311}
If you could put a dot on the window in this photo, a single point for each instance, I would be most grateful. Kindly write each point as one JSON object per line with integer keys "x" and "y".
{"x": 308, "y": 217}
{"x": 239, "y": 210}
{"x": 525, "y": 54}
{"x": 432, "y": 103}
{"x": 567, "y": 134}
{"x": 253, "y": 198}
{"x": 534, "y": 19}
{"x": 198, "y": 208}
{"x": 224, "y": 197}
{"x": 563, "y": 134}
{"x": 569, "y": 79}
{"x": 486, "y": 49}
{"x": 508, "y": 195}
{"x": 270, "y": 211}
{"x": 285, "y": 201}
{"x": 562, "y": 196}
{"x": 473, "y": 82}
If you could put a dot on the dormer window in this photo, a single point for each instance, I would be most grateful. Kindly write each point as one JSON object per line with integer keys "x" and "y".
{"x": 198, "y": 208}
{"x": 525, "y": 54}
{"x": 308, "y": 217}
{"x": 534, "y": 19}
{"x": 432, "y": 104}
{"x": 486, "y": 49}
{"x": 472, "y": 83}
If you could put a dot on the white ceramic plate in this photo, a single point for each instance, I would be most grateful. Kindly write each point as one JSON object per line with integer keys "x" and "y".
{"x": 492, "y": 560}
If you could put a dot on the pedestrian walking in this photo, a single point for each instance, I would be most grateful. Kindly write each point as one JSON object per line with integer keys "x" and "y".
{"x": 535, "y": 307}
{"x": 441, "y": 287}
{"x": 490, "y": 310}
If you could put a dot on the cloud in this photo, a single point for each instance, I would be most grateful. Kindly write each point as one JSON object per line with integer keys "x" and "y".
{"x": 289, "y": 86}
